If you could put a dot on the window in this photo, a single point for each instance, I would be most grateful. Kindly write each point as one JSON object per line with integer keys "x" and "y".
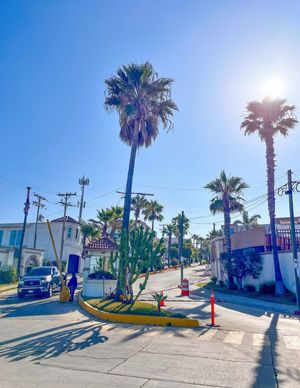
{"x": 70, "y": 232}
{"x": 1, "y": 237}
{"x": 15, "y": 237}
{"x": 76, "y": 234}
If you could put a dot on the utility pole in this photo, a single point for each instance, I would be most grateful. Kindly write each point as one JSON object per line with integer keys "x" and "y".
{"x": 26, "y": 209}
{"x": 65, "y": 202}
{"x": 83, "y": 182}
{"x": 180, "y": 245}
{"x": 293, "y": 237}
{"x": 39, "y": 205}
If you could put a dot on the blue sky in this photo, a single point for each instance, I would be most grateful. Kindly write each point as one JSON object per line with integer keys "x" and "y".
{"x": 55, "y": 56}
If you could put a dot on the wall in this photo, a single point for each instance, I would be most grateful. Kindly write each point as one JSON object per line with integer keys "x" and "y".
{"x": 267, "y": 274}
{"x": 6, "y": 257}
{"x": 217, "y": 247}
{"x": 249, "y": 238}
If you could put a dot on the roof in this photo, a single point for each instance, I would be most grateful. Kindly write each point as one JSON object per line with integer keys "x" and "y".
{"x": 103, "y": 243}
{"x": 68, "y": 219}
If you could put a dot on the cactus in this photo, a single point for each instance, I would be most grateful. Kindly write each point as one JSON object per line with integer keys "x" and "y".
{"x": 135, "y": 253}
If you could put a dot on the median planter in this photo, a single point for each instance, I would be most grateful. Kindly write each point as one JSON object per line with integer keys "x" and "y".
{"x": 137, "y": 319}
{"x": 98, "y": 288}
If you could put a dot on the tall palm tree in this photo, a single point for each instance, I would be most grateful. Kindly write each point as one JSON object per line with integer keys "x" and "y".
{"x": 143, "y": 102}
{"x": 248, "y": 222}
{"x": 227, "y": 199}
{"x": 153, "y": 212}
{"x": 169, "y": 230}
{"x": 138, "y": 204}
{"x": 267, "y": 118}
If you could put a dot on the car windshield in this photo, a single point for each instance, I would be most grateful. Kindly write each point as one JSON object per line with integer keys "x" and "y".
{"x": 39, "y": 271}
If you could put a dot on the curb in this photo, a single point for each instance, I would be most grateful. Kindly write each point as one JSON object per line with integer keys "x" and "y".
{"x": 137, "y": 319}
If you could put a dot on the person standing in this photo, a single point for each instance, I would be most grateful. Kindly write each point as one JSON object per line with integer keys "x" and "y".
{"x": 72, "y": 285}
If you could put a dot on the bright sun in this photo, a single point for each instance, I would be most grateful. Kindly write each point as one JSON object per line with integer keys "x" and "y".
{"x": 273, "y": 88}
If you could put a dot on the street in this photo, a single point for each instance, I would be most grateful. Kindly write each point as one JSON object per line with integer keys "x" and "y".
{"x": 44, "y": 343}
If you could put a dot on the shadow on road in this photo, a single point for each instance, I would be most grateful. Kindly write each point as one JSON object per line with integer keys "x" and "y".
{"x": 287, "y": 370}
{"x": 52, "y": 342}
{"x": 12, "y": 307}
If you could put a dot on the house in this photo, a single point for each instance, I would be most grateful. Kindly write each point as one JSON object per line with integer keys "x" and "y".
{"x": 10, "y": 238}
{"x": 97, "y": 258}
{"x": 258, "y": 239}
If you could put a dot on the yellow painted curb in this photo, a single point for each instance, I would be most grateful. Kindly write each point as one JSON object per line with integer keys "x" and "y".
{"x": 137, "y": 319}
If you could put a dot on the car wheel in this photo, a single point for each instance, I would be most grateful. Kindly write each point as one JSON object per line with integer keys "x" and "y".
{"x": 20, "y": 295}
{"x": 50, "y": 291}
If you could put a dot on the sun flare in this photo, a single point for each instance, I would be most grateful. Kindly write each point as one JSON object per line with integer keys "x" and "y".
{"x": 273, "y": 88}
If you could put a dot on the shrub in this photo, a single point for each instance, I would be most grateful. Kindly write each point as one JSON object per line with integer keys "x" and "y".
{"x": 8, "y": 275}
{"x": 174, "y": 262}
{"x": 250, "y": 288}
{"x": 102, "y": 275}
{"x": 268, "y": 288}
{"x": 221, "y": 283}
{"x": 214, "y": 279}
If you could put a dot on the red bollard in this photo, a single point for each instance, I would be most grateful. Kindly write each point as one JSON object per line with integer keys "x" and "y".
{"x": 212, "y": 307}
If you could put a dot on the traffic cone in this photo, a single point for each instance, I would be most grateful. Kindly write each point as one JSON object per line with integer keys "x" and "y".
{"x": 162, "y": 302}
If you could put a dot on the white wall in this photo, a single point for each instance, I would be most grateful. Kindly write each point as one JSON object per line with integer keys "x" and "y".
{"x": 267, "y": 274}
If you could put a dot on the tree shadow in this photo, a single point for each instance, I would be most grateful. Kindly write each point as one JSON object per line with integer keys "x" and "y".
{"x": 52, "y": 343}
{"x": 34, "y": 307}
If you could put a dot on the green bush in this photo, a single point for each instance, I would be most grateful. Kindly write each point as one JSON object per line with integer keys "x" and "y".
{"x": 8, "y": 275}
{"x": 250, "y": 288}
{"x": 174, "y": 262}
{"x": 102, "y": 274}
{"x": 267, "y": 288}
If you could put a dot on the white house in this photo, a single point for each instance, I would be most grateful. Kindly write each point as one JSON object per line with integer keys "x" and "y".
{"x": 10, "y": 237}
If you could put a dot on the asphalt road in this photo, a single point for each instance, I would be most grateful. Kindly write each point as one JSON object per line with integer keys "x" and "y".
{"x": 44, "y": 343}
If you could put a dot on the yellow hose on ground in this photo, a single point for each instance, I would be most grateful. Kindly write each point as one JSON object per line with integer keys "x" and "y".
{"x": 64, "y": 293}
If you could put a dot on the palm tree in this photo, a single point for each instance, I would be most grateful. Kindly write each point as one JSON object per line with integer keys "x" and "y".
{"x": 169, "y": 230}
{"x": 143, "y": 102}
{"x": 138, "y": 204}
{"x": 89, "y": 231}
{"x": 115, "y": 222}
{"x": 267, "y": 118}
{"x": 248, "y": 222}
{"x": 176, "y": 221}
{"x": 214, "y": 233}
{"x": 227, "y": 199}
{"x": 153, "y": 212}
{"x": 105, "y": 216}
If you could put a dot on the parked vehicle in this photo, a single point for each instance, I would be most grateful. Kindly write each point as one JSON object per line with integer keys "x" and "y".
{"x": 40, "y": 281}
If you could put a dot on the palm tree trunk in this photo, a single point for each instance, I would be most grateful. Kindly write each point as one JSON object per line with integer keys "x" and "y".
{"x": 228, "y": 239}
{"x": 270, "y": 156}
{"x": 152, "y": 227}
{"x": 127, "y": 200}
{"x": 169, "y": 248}
{"x": 126, "y": 213}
